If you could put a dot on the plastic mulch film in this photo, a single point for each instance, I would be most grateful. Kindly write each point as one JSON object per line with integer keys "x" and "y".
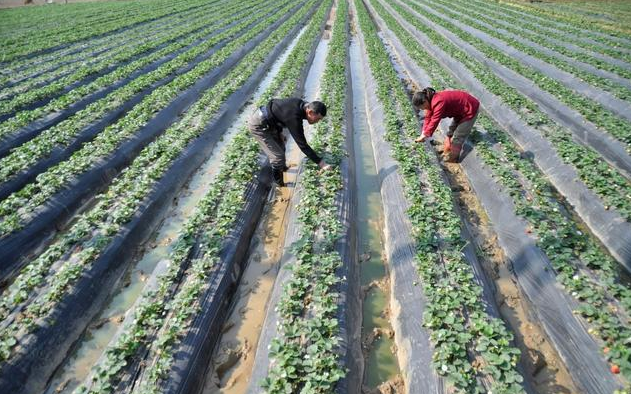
{"x": 612, "y": 230}
{"x": 532, "y": 269}
{"x": 407, "y": 303}
{"x": 609, "y": 101}
{"x": 45, "y": 221}
{"x": 53, "y": 339}
{"x": 612, "y": 150}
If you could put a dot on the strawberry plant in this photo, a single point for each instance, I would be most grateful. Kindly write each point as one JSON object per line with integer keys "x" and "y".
{"x": 597, "y": 175}
{"x": 581, "y": 51}
{"x": 22, "y": 306}
{"x": 48, "y": 72}
{"x": 55, "y": 64}
{"x": 304, "y": 354}
{"x": 515, "y": 38}
{"x": 455, "y": 317}
{"x": 14, "y": 48}
{"x": 577, "y": 36}
{"x": 15, "y": 211}
{"x": 583, "y": 268}
{"x": 23, "y": 118}
{"x": 63, "y": 133}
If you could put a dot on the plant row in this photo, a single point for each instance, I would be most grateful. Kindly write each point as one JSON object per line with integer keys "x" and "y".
{"x": 573, "y": 22}
{"x": 46, "y": 280}
{"x": 16, "y": 208}
{"x": 50, "y": 39}
{"x": 552, "y": 38}
{"x": 22, "y": 69}
{"x": 304, "y": 356}
{"x": 65, "y": 132}
{"x": 472, "y": 18}
{"x": 603, "y": 12}
{"x": 182, "y": 40}
{"x": 64, "y": 66}
{"x": 574, "y": 36}
{"x": 587, "y": 273}
{"x": 213, "y": 219}
{"x": 593, "y": 171}
{"x": 20, "y": 20}
{"x": 34, "y": 95}
{"x": 591, "y": 110}
{"x": 460, "y": 328}
{"x": 17, "y": 38}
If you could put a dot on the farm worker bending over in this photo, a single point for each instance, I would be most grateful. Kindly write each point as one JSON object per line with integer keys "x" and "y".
{"x": 266, "y": 125}
{"x": 456, "y": 104}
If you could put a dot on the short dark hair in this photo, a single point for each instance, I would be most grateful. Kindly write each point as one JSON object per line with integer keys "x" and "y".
{"x": 424, "y": 95}
{"x": 317, "y": 106}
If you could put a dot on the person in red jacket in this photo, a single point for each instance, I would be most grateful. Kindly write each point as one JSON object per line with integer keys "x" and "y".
{"x": 456, "y": 104}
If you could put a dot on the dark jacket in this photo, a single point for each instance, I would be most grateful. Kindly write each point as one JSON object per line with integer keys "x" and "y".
{"x": 290, "y": 113}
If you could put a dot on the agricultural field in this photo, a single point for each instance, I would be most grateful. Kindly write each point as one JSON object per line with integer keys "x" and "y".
{"x": 145, "y": 249}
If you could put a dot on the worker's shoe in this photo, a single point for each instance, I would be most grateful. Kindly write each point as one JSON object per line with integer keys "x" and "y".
{"x": 453, "y": 154}
{"x": 277, "y": 175}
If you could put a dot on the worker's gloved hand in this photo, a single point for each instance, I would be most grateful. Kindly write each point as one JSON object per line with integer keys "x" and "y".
{"x": 324, "y": 166}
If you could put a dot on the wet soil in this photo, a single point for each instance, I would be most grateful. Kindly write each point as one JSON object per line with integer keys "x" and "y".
{"x": 541, "y": 364}
{"x": 232, "y": 364}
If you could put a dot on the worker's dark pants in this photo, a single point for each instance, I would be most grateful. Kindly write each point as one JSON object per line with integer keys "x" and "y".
{"x": 270, "y": 140}
{"x": 458, "y": 132}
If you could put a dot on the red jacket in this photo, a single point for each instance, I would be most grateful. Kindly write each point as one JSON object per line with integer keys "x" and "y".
{"x": 456, "y": 104}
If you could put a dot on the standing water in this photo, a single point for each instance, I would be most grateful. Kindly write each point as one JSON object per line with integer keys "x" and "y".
{"x": 77, "y": 367}
{"x": 377, "y": 335}
{"x": 232, "y": 364}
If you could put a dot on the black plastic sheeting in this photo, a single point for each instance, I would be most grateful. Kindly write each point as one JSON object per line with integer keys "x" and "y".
{"x": 61, "y": 207}
{"x": 612, "y": 150}
{"x": 349, "y": 304}
{"x": 612, "y": 230}
{"x": 87, "y": 80}
{"x": 349, "y": 289}
{"x": 576, "y": 48}
{"x": 112, "y": 43}
{"x": 407, "y": 303}
{"x": 417, "y": 77}
{"x": 31, "y": 130}
{"x": 552, "y": 307}
{"x": 621, "y": 108}
{"x": 195, "y": 352}
{"x": 88, "y": 39}
{"x": 535, "y": 275}
{"x": 42, "y": 351}
{"x": 623, "y": 41}
{"x": 584, "y": 66}
{"x": 61, "y": 153}
{"x": 196, "y": 348}
{"x": 269, "y": 328}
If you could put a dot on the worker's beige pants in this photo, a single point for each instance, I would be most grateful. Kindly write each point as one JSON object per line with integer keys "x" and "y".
{"x": 460, "y": 131}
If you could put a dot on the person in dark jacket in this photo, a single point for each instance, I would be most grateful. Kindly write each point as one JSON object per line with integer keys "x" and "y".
{"x": 266, "y": 125}
{"x": 456, "y": 104}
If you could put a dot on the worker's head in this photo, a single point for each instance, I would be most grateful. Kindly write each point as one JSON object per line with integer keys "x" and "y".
{"x": 315, "y": 111}
{"x": 422, "y": 99}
